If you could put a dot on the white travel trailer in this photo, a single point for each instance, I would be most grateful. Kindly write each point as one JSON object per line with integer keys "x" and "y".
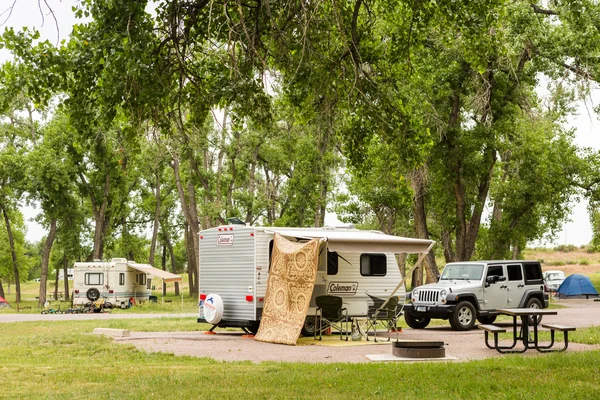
{"x": 358, "y": 266}
{"x": 117, "y": 280}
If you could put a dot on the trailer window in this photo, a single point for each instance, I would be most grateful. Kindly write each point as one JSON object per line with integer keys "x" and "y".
{"x": 332, "y": 263}
{"x": 373, "y": 264}
{"x": 140, "y": 279}
{"x": 94, "y": 279}
{"x": 122, "y": 278}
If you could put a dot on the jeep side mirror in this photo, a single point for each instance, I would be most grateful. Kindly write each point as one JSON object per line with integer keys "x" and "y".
{"x": 501, "y": 278}
{"x": 491, "y": 279}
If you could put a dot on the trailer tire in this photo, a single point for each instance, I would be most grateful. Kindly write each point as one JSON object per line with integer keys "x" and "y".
{"x": 308, "y": 329}
{"x": 92, "y": 294}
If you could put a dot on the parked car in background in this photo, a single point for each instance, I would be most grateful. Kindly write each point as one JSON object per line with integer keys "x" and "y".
{"x": 552, "y": 280}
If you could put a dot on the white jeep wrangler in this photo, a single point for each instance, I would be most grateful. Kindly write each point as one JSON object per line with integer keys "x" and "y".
{"x": 473, "y": 290}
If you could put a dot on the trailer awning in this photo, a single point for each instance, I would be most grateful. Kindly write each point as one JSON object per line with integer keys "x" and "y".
{"x": 149, "y": 269}
{"x": 354, "y": 240}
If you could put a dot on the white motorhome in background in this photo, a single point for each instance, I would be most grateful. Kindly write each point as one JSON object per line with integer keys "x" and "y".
{"x": 118, "y": 281}
{"x": 359, "y": 266}
{"x": 70, "y": 274}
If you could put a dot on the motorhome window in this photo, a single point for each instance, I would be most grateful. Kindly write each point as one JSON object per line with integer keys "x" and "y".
{"x": 121, "y": 278}
{"x": 141, "y": 279}
{"x": 332, "y": 263}
{"x": 373, "y": 264}
{"x": 94, "y": 279}
{"x": 514, "y": 272}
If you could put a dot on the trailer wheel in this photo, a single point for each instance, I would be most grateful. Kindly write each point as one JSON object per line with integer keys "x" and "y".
{"x": 253, "y": 328}
{"x": 308, "y": 329}
{"x": 92, "y": 294}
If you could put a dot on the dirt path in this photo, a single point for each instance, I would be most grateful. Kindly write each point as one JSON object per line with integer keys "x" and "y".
{"x": 232, "y": 346}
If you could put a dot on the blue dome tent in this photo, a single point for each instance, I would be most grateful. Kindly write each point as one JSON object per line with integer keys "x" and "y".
{"x": 577, "y": 286}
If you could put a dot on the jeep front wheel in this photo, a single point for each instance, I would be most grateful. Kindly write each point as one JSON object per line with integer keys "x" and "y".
{"x": 463, "y": 316}
{"x": 416, "y": 322}
{"x": 534, "y": 303}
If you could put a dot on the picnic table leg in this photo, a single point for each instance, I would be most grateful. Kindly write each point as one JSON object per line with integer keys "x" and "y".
{"x": 516, "y": 338}
{"x": 543, "y": 349}
{"x": 546, "y": 349}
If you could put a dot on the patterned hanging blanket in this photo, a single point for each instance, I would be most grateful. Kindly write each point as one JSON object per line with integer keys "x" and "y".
{"x": 289, "y": 288}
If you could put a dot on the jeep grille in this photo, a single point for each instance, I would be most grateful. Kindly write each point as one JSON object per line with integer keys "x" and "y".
{"x": 428, "y": 296}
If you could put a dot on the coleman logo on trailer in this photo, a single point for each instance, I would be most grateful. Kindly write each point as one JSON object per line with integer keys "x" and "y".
{"x": 225, "y": 240}
{"x": 342, "y": 287}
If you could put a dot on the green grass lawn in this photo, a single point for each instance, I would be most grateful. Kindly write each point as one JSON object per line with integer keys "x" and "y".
{"x": 63, "y": 360}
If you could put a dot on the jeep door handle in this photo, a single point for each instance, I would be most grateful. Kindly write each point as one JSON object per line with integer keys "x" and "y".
{"x": 503, "y": 287}
{"x": 520, "y": 285}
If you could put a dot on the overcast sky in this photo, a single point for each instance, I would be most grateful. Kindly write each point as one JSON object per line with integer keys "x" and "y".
{"x": 27, "y": 13}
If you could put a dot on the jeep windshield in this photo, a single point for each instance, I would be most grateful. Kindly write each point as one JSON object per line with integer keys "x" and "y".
{"x": 455, "y": 272}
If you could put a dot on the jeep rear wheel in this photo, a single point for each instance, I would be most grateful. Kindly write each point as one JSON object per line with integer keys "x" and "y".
{"x": 416, "y": 322}
{"x": 486, "y": 319}
{"x": 534, "y": 303}
{"x": 463, "y": 316}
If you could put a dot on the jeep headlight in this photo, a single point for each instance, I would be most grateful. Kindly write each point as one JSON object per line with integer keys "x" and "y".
{"x": 415, "y": 295}
{"x": 443, "y": 295}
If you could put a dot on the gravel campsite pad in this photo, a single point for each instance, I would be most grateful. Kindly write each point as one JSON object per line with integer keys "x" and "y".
{"x": 234, "y": 346}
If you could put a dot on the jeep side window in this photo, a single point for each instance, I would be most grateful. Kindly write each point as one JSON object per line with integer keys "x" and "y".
{"x": 533, "y": 273}
{"x": 514, "y": 272}
{"x": 495, "y": 270}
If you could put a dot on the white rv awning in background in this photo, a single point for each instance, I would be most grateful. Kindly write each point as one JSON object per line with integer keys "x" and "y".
{"x": 149, "y": 269}
{"x": 355, "y": 240}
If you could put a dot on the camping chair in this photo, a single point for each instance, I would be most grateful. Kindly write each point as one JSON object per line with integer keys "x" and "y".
{"x": 387, "y": 314}
{"x": 330, "y": 313}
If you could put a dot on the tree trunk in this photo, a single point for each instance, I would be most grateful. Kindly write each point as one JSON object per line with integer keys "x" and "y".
{"x": 252, "y": 186}
{"x": 56, "y": 282}
{"x": 191, "y": 221}
{"x": 164, "y": 268}
{"x": 420, "y": 216}
{"x": 401, "y": 259}
{"x": 66, "y": 275}
{"x": 45, "y": 262}
{"x": 13, "y": 253}
{"x": 100, "y": 218}
{"x": 173, "y": 261}
{"x": 417, "y": 277}
{"x": 2, "y": 290}
{"x": 156, "y": 220}
{"x": 190, "y": 251}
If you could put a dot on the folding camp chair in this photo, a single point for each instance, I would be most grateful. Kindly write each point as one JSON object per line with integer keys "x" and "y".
{"x": 330, "y": 313}
{"x": 387, "y": 314}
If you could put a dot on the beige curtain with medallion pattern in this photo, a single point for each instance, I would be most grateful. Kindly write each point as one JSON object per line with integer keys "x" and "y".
{"x": 289, "y": 288}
